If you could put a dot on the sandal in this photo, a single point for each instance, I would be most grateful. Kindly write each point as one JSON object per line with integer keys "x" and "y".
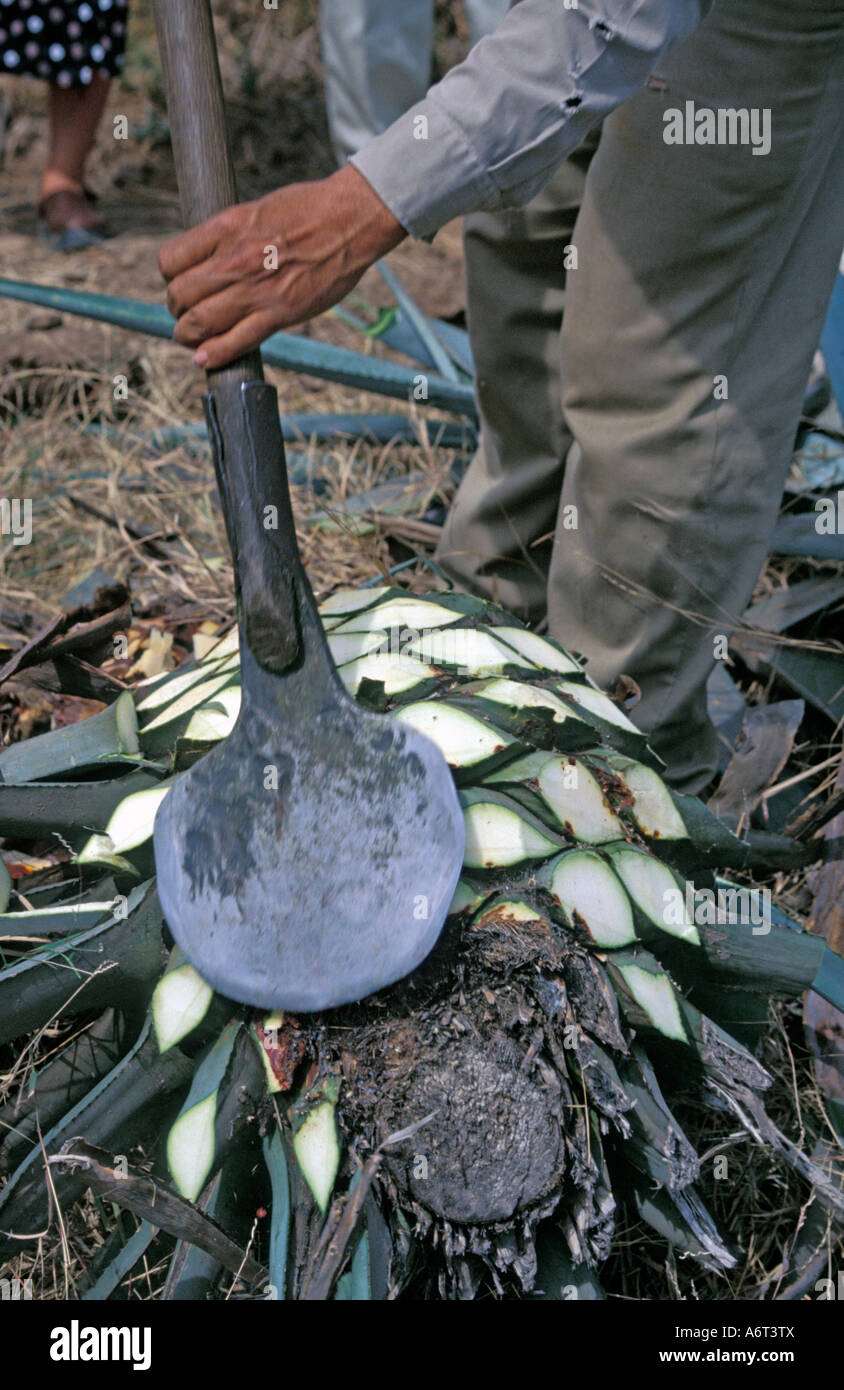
{"x": 68, "y": 222}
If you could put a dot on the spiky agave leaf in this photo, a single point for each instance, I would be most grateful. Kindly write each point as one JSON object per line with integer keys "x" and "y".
{"x": 519, "y": 1075}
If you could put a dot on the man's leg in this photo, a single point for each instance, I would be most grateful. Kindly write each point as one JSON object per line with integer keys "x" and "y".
{"x": 508, "y": 501}
{"x": 377, "y": 59}
{"x": 704, "y": 276}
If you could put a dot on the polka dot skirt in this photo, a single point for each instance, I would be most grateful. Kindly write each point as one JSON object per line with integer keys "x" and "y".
{"x": 64, "y": 41}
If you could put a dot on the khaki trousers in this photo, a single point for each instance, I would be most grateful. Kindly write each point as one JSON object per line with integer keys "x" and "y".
{"x": 635, "y": 447}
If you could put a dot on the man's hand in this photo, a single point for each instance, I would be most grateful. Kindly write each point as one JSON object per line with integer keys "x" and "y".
{"x": 225, "y": 287}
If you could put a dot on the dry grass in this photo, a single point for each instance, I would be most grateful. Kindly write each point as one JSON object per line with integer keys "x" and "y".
{"x": 53, "y": 456}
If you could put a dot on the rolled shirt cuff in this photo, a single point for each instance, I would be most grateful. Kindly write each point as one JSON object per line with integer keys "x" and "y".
{"x": 426, "y": 172}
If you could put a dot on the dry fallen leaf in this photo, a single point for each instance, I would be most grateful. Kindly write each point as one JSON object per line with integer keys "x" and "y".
{"x": 154, "y": 658}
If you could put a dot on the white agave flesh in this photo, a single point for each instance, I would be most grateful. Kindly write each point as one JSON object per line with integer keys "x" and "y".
{"x": 497, "y": 836}
{"x": 653, "y": 887}
{"x": 520, "y": 695}
{"x": 596, "y": 702}
{"x": 462, "y": 739}
{"x": 538, "y": 650}
{"x": 130, "y": 825}
{"x": 472, "y": 650}
{"x": 398, "y": 673}
{"x": 586, "y": 887}
{"x": 415, "y": 615}
{"x": 656, "y": 997}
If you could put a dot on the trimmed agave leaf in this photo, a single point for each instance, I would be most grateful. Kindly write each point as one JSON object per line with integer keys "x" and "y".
{"x": 539, "y": 651}
{"x": 522, "y": 769}
{"x": 32, "y": 810}
{"x": 416, "y": 614}
{"x": 652, "y": 805}
{"x": 350, "y": 646}
{"x": 130, "y": 826}
{"x": 571, "y": 792}
{"x": 749, "y": 951}
{"x": 69, "y": 894}
{"x": 397, "y": 674}
{"x": 506, "y": 908}
{"x": 742, "y": 1013}
{"x": 467, "y": 743}
{"x": 657, "y": 1146}
{"x": 192, "y": 1141}
{"x": 62, "y": 920}
{"x": 518, "y": 695}
{"x": 470, "y": 606}
{"x": 180, "y": 1001}
{"x": 212, "y": 722}
{"x": 466, "y": 899}
{"x": 174, "y": 684}
{"x": 712, "y": 844}
{"x": 682, "y": 1219}
{"x": 558, "y": 1278}
{"x": 113, "y": 962}
{"x": 657, "y": 892}
{"x": 161, "y": 732}
{"x": 598, "y": 704}
{"x": 355, "y": 1286}
{"x": 469, "y": 651}
{"x": 340, "y": 605}
{"x": 168, "y": 684}
{"x": 719, "y": 1055}
{"x": 110, "y": 736}
{"x": 315, "y": 1141}
{"x": 590, "y": 896}
{"x": 226, "y": 646}
{"x": 190, "y": 1146}
{"x": 647, "y": 994}
{"x": 230, "y": 1200}
{"x": 500, "y": 833}
{"x": 367, "y": 1277}
{"x": 531, "y": 714}
{"x": 276, "y": 1161}
{"x": 269, "y": 1024}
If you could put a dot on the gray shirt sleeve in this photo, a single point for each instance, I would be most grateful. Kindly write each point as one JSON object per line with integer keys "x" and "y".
{"x": 493, "y": 132}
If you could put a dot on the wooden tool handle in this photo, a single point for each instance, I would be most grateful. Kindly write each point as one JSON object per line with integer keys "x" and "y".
{"x": 201, "y": 151}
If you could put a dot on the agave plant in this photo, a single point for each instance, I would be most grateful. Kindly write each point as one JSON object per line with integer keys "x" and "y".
{"x": 500, "y": 1101}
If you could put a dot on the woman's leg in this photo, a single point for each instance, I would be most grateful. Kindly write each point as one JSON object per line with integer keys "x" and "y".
{"x": 75, "y": 114}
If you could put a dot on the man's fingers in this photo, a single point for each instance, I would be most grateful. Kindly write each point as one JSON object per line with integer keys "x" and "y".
{"x": 214, "y": 316}
{"x": 190, "y": 248}
{"x": 201, "y": 282}
{"x": 246, "y": 335}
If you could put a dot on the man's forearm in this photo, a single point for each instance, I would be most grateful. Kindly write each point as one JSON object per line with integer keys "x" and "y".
{"x": 492, "y": 133}
{"x": 489, "y": 135}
